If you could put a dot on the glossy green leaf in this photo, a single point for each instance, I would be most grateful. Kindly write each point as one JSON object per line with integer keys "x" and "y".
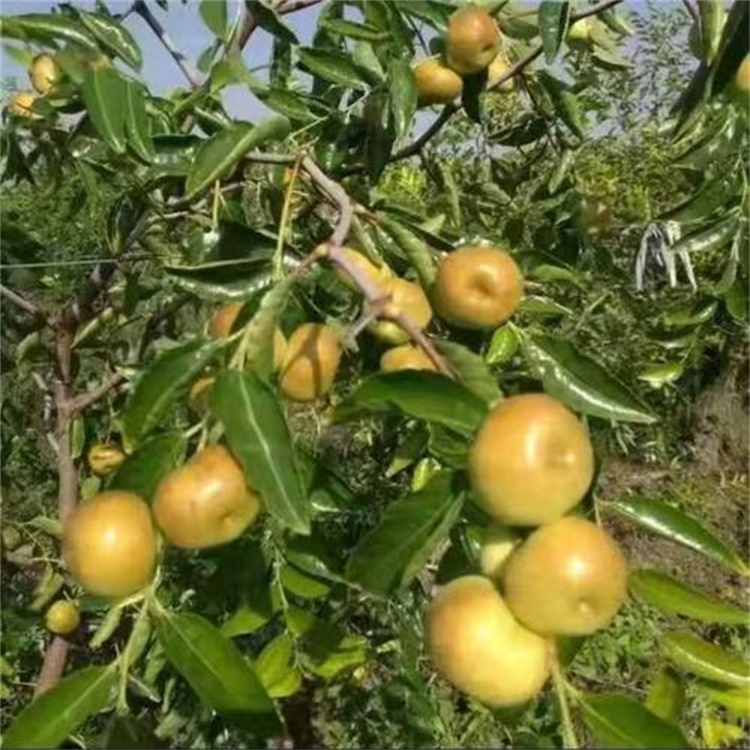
{"x": 361, "y": 31}
{"x": 137, "y": 127}
{"x": 113, "y": 36}
{"x": 616, "y": 21}
{"x": 609, "y": 60}
{"x": 471, "y": 369}
{"x": 618, "y": 721}
{"x": 214, "y": 15}
{"x": 104, "y": 93}
{"x": 369, "y": 65}
{"x": 143, "y": 470}
{"x": 581, "y": 382}
{"x": 716, "y": 236}
{"x": 414, "y": 248}
{"x": 332, "y": 66}
{"x": 221, "y": 152}
{"x": 269, "y": 20}
{"x": 735, "y": 699}
{"x": 403, "y": 93}
{"x": 129, "y": 732}
{"x": 503, "y": 345}
{"x": 422, "y": 395}
{"x": 671, "y": 595}
{"x": 672, "y": 523}
{"x": 217, "y": 672}
{"x": 666, "y": 695}
{"x": 303, "y": 585}
{"x": 275, "y": 667}
{"x": 533, "y": 304}
{"x": 174, "y": 154}
{"x": 733, "y": 48}
{"x": 294, "y": 105}
{"x": 231, "y": 281}
{"x": 408, "y": 533}
{"x": 53, "y": 716}
{"x": 47, "y": 28}
{"x": 713, "y": 195}
{"x": 553, "y": 23}
{"x": 256, "y": 607}
{"x": 433, "y": 12}
{"x": 162, "y": 384}
{"x": 692, "y": 654}
{"x": 719, "y": 142}
{"x": 258, "y": 435}
{"x": 565, "y": 102}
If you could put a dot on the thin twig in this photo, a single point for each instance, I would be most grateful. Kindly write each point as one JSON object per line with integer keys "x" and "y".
{"x": 84, "y": 400}
{"x": 140, "y": 7}
{"x": 19, "y": 301}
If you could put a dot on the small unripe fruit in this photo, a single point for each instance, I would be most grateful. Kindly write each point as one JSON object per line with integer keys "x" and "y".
{"x": 103, "y": 459}
{"x": 742, "y": 78}
{"x": 531, "y": 461}
{"x": 498, "y": 543}
{"x": 62, "y": 617}
{"x": 206, "y": 502}
{"x": 567, "y": 578}
{"x": 472, "y": 40}
{"x": 407, "y": 298}
{"x": 436, "y": 82}
{"x": 475, "y": 642}
{"x": 497, "y": 69}
{"x": 379, "y": 275}
{"x": 312, "y": 361}
{"x": 44, "y": 73}
{"x": 109, "y": 544}
{"x": 579, "y": 34}
{"x": 22, "y": 105}
{"x": 405, "y": 357}
{"x": 477, "y": 286}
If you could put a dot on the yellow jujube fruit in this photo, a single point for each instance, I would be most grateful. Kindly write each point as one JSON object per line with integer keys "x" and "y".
{"x": 62, "y": 617}
{"x": 742, "y": 78}
{"x": 498, "y": 542}
{"x": 405, "y": 357}
{"x": 477, "y": 286}
{"x": 377, "y": 274}
{"x": 436, "y": 82}
{"x": 311, "y": 363}
{"x": 22, "y": 105}
{"x": 104, "y": 458}
{"x": 206, "y": 502}
{"x": 109, "y": 544}
{"x": 475, "y": 642}
{"x": 531, "y": 461}
{"x": 472, "y": 40}
{"x": 568, "y": 578}
{"x": 496, "y": 70}
{"x": 44, "y": 73}
{"x": 407, "y": 298}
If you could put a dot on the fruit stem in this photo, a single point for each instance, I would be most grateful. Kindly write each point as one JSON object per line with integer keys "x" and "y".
{"x": 561, "y": 689}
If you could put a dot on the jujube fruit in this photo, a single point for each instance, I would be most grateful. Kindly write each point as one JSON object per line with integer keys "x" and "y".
{"x": 109, "y": 544}
{"x": 472, "y": 40}
{"x": 436, "y": 82}
{"x": 475, "y": 642}
{"x": 567, "y": 578}
{"x": 312, "y": 361}
{"x": 222, "y": 324}
{"x": 477, "y": 286}
{"x": 531, "y": 461}
{"x": 742, "y": 77}
{"x": 104, "y": 458}
{"x": 62, "y": 617}
{"x": 405, "y": 357}
{"x": 22, "y": 104}
{"x": 377, "y": 274}
{"x": 407, "y": 298}
{"x": 44, "y": 73}
{"x": 206, "y": 502}
{"x": 496, "y": 70}
{"x": 498, "y": 542}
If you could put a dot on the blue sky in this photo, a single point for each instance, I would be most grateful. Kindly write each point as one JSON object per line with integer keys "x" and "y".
{"x": 186, "y": 28}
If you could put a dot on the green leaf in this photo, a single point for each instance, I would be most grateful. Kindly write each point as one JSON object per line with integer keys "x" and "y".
{"x": 47, "y": 28}
{"x": 527, "y": 129}
{"x": 174, "y": 154}
{"x": 503, "y": 345}
{"x": 275, "y": 667}
{"x": 618, "y": 721}
{"x": 553, "y": 23}
{"x": 671, "y": 595}
{"x": 657, "y": 376}
{"x": 258, "y": 435}
{"x": 415, "y": 249}
{"x": 137, "y": 126}
{"x": 736, "y": 700}
{"x": 53, "y": 716}
{"x": 403, "y": 93}
{"x": 609, "y": 60}
{"x": 719, "y": 193}
{"x": 104, "y": 93}
{"x": 369, "y": 65}
{"x": 230, "y": 281}
{"x": 733, "y": 48}
{"x": 142, "y": 472}
{"x": 114, "y": 37}
{"x": 220, "y": 153}
{"x": 129, "y": 732}
{"x": 332, "y": 66}
{"x": 363, "y": 32}
{"x": 162, "y": 384}
{"x": 270, "y": 21}
{"x": 408, "y": 533}
{"x": 214, "y": 15}
{"x": 692, "y": 654}
{"x": 672, "y": 523}
{"x": 217, "y": 672}
{"x": 422, "y": 395}
{"x": 292, "y": 104}
{"x": 471, "y": 369}
{"x": 666, "y": 695}
{"x": 714, "y": 237}
{"x": 565, "y": 102}
{"x": 581, "y": 382}
{"x": 255, "y": 608}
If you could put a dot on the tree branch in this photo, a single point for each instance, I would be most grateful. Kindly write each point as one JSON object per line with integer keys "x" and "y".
{"x": 84, "y": 400}
{"x": 250, "y": 22}
{"x": 140, "y": 7}
{"x": 19, "y": 301}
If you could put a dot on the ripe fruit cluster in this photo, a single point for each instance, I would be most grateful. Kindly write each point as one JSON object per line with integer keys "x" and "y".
{"x": 473, "y": 44}
{"x": 43, "y": 74}
{"x": 492, "y": 635}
